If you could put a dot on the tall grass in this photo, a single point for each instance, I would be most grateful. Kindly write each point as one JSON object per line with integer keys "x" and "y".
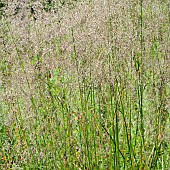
{"x": 87, "y": 88}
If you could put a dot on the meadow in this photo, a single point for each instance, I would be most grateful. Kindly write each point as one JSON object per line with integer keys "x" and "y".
{"x": 84, "y": 85}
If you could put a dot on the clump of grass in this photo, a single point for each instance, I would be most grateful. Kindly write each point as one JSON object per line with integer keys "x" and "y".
{"x": 91, "y": 93}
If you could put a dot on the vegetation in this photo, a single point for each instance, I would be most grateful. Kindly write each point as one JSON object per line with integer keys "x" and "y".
{"x": 84, "y": 85}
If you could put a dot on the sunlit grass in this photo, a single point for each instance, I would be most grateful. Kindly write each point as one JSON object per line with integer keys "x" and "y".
{"x": 69, "y": 102}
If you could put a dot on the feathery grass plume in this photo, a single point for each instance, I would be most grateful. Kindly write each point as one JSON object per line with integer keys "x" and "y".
{"x": 84, "y": 84}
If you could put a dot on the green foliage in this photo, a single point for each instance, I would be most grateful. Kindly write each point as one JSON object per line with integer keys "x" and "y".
{"x": 3, "y": 4}
{"x": 48, "y": 5}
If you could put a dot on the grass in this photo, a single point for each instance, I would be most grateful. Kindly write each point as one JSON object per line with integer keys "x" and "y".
{"x": 86, "y": 87}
